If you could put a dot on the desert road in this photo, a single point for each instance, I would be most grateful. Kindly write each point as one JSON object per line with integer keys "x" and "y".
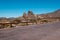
{"x": 33, "y": 32}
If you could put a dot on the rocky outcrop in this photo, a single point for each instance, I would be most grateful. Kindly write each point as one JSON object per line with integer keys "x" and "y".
{"x": 30, "y": 17}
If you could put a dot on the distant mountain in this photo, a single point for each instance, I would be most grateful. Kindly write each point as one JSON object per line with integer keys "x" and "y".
{"x": 52, "y": 14}
{"x": 11, "y": 18}
{"x": 55, "y": 14}
{"x": 3, "y": 18}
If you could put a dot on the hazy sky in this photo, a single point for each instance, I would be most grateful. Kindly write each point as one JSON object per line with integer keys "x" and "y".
{"x": 15, "y": 8}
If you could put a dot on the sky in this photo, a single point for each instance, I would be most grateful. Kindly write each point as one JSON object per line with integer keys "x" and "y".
{"x": 16, "y": 8}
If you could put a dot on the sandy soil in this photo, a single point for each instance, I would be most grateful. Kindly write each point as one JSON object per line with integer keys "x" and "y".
{"x": 33, "y": 32}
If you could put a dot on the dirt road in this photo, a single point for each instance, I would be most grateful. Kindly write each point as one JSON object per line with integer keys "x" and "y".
{"x": 34, "y": 32}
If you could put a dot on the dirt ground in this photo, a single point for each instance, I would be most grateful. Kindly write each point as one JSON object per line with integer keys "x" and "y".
{"x": 33, "y": 32}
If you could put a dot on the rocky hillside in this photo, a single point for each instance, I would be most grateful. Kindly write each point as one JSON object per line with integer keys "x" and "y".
{"x": 30, "y": 18}
{"x": 52, "y": 14}
{"x": 30, "y": 14}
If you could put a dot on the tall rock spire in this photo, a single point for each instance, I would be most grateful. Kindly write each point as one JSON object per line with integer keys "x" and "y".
{"x": 30, "y": 13}
{"x": 24, "y": 15}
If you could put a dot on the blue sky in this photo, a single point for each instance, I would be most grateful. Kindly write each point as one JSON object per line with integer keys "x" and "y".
{"x": 15, "y": 8}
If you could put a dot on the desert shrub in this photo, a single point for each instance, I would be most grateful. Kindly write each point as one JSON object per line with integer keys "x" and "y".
{"x": 24, "y": 24}
{"x": 44, "y": 21}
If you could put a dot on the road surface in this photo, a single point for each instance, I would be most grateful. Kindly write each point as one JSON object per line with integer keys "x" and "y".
{"x": 33, "y": 32}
